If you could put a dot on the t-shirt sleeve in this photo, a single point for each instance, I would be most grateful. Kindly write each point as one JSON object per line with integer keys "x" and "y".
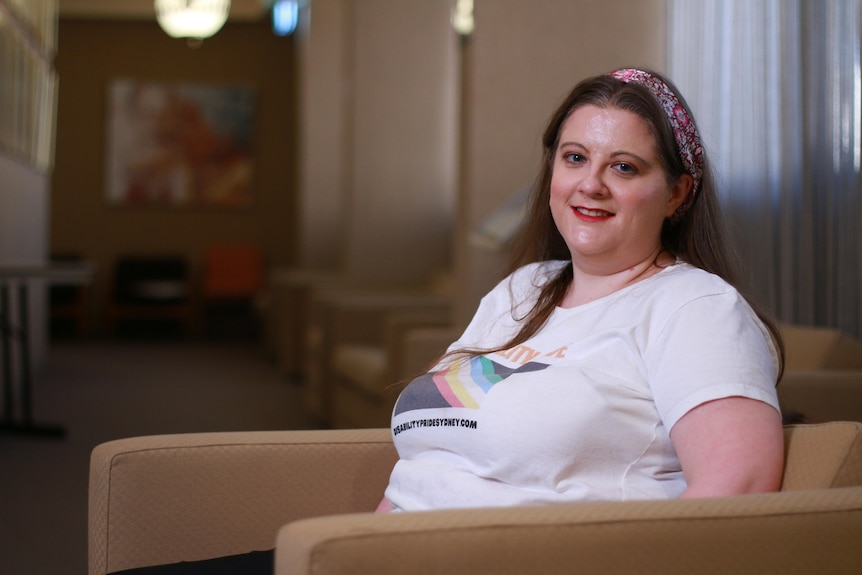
{"x": 710, "y": 348}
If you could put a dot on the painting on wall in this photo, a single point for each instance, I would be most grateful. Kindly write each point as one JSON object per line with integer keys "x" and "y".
{"x": 179, "y": 145}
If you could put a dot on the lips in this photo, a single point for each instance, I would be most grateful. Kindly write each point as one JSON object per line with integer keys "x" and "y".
{"x": 591, "y": 213}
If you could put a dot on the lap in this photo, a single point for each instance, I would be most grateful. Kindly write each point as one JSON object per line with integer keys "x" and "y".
{"x": 254, "y": 563}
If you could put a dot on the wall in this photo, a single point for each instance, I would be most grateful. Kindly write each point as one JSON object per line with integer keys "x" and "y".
{"x": 325, "y": 103}
{"x": 379, "y": 139}
{"x": 369, "y": 186}
{"x": 522, "y": 60}
{"x": 91, "y": 53}
{"x": 404, "y": 139}
{"x": 23, "y": 213}
{"x": 391, "y": 104}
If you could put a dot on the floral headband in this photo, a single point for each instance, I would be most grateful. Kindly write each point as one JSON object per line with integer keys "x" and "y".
{"x": 684, "y": 130}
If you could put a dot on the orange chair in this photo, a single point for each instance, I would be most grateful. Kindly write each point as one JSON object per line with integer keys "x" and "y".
{"x": 233, "y": 278}
{"x": 232, "y": 271}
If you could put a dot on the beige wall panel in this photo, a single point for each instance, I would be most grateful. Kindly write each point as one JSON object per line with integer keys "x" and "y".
{"x": 324, "y": 146}
{"x": 404, "y": 140}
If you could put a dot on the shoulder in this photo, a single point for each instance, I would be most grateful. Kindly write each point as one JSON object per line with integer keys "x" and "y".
{"x": 696, "y": 277}
{"x": 690, "y": 300}
{"x": 684, "y": 291}
{"x": 684, "y": 282}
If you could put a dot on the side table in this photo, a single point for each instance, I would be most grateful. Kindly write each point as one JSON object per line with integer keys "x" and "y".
{"x": 17, "y": 414}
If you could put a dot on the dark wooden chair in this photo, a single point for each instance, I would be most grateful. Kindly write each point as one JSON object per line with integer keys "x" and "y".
{"x": 151, "y": 288}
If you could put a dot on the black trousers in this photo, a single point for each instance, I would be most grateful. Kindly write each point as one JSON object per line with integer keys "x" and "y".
{"x": 254, "y": 563}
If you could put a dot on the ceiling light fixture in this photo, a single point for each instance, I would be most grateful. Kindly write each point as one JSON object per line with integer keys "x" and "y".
{"x": 462, "y": 17}
{"x": 285, "y": 17}
{"x": 192, "y": 19}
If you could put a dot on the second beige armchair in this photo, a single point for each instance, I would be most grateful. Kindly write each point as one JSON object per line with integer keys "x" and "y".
{"x": 361, "y": 344}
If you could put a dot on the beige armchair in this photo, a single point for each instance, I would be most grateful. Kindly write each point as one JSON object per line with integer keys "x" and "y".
{"x": 359, "y": 345}
{"x": 290, "y": 292}
{"x": 823, "y": 374}
{"x": 350, "y": 343}
{"x": 164, "y": 499}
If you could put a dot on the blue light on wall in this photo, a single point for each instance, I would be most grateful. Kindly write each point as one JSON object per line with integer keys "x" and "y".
{"x": 285, "y": 15}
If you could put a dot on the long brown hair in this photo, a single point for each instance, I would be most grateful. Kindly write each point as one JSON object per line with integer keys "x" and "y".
{"x": 697, "y": 234}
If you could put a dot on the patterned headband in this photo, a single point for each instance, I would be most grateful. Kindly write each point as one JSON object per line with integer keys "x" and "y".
{"x": 684, "y": 130}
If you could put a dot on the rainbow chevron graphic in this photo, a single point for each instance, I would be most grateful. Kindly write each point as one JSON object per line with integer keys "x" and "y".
{"x": 464, "y": 383}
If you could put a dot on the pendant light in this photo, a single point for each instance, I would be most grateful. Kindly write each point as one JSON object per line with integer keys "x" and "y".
{"x": 193, "y": 19}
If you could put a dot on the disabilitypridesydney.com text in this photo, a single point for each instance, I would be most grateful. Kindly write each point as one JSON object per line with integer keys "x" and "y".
{"x": 435, "y": 422}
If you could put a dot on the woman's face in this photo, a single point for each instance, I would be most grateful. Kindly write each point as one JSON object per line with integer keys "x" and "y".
{"x": 609, "y": 191}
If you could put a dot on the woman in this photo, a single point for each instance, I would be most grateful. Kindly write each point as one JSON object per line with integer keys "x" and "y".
{"x": 617, "y": 361}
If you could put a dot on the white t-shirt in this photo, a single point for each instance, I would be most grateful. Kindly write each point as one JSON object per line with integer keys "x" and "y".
{"x": 583, "y": 410}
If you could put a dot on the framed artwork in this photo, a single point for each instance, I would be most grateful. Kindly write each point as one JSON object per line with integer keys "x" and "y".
{"x": 179, "y": 145}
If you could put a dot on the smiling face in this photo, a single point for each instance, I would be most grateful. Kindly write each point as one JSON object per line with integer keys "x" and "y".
{"x": 609, "y": 191}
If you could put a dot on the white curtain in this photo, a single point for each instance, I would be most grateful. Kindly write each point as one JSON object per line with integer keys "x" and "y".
{"x": 776, "y": 87}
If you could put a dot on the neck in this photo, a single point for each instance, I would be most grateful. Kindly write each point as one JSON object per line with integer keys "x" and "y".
{"x": 589, "y": 284}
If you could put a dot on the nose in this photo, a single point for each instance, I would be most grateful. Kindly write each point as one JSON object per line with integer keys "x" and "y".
{"x": 592, "y": 183}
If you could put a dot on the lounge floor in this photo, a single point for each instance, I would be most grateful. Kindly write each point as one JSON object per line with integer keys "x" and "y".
{"x": 100, "y": 391}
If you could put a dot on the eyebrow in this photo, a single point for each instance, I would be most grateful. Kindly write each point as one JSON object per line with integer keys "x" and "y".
{"x": 633, "y": 155}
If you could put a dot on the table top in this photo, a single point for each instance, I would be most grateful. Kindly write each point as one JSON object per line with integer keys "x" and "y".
{"x": 72, "y": 272}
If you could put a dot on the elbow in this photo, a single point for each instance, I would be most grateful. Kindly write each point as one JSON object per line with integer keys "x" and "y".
{"x": 765, "y": 481}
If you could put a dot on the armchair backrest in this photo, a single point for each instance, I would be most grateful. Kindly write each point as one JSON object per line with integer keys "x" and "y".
{"x": 233, "y": 270}
{"x": 819, "y": 348}
{"x": 822, "y": 456}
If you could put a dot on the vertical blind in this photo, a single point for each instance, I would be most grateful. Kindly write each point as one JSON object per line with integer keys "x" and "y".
{"x": 776, "y": 87}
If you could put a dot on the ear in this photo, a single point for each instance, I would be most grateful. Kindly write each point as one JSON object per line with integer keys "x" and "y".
{"x": 679, "y": 192}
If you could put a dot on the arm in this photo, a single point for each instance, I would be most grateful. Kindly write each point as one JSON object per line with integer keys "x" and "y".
{"x": 730, "y": 446}
{"x": 384, "y": 506}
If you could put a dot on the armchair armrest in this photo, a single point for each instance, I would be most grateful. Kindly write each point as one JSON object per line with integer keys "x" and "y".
{"x": 170, "y": 498}
{"x": 791, "y": 533}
